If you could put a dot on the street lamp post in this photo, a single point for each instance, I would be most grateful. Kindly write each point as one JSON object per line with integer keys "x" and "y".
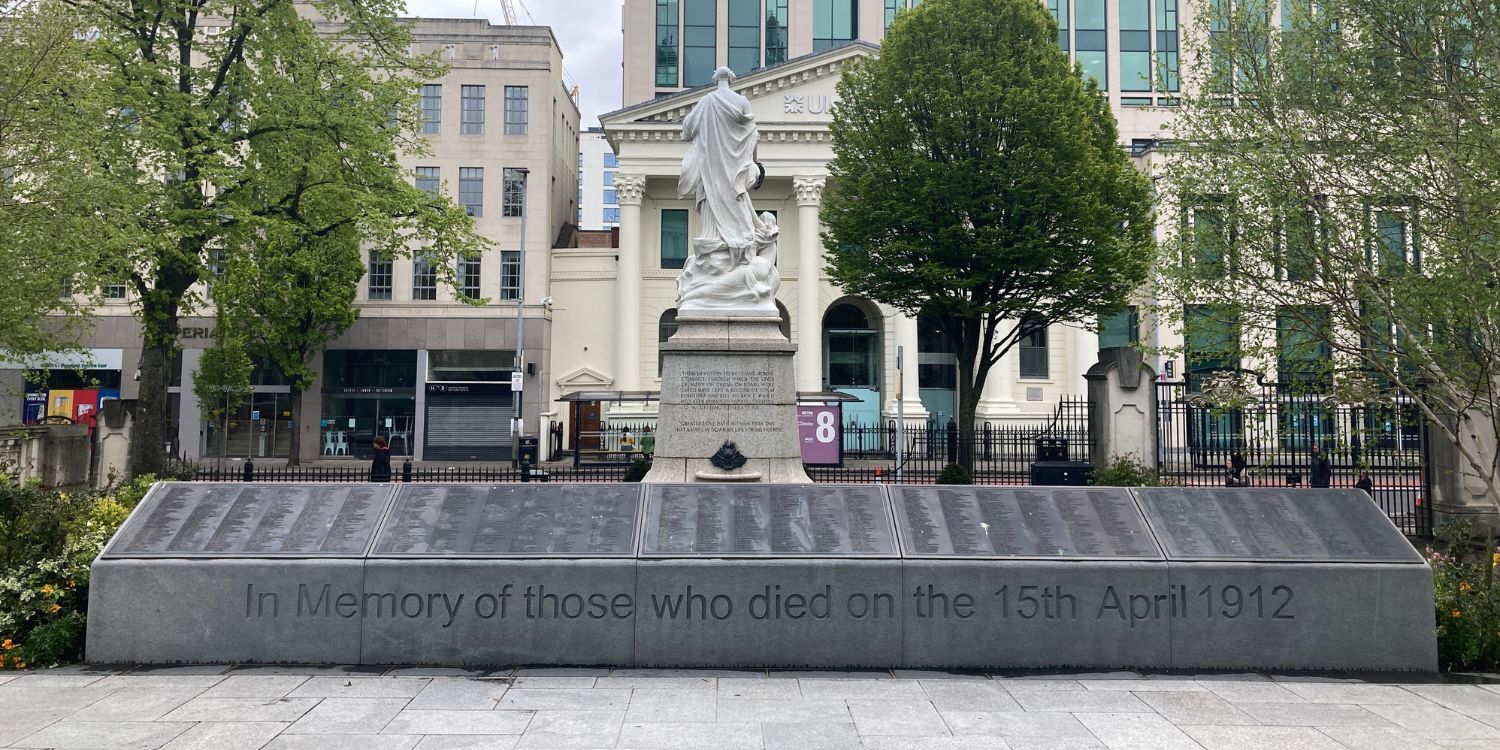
{"x": 518, "y": 428}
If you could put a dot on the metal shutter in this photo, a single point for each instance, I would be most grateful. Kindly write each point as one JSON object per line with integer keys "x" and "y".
{"x": 467, "y": 427}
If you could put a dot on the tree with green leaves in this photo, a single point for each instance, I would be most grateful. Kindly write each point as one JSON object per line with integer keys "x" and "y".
{"x": 248, "y": 118}
{"x": 1333, "y": 192}
{"x": 222, "y": 382}
{"x": 978, "y": 181}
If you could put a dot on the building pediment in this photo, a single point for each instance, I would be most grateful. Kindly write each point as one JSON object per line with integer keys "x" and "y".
{"x": 584, "y": 378}
{"x": 797, "y": 95}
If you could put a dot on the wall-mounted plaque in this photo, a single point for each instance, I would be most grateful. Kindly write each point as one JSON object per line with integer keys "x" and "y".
{"x": 1273, "y": 525}
{"x": 182, "y": 519}
{"x": 767, "y": 520}
{"x": 1021, "y": 522}
{"x": 511, "y": 520}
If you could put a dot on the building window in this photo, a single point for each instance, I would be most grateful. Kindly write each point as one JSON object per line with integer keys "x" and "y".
{"x": 432, "y": 108}
{"x": 674, "y": 237}
{"x": 516, "y": 110}
{"x": 471, "y": 119}
{"x": 610, "y": 161}
{"x": 1302, "y": 239}
{"x": 1303, "y": 349}
{"x": 510, "y": 274}
{"x": 611, "y": 215}
{"x": 423, "y": 278}
{"x": 744, "y": 35}
{"x": 1092, "y": 41}
{"x": 1135, "y": 45}
{"x": 851, "y": 348}
{"x": 1059, "y": 10}
{"x": 1121, "y": 329}
{"x": 512, "y": 193}
{"x": 429, "y": 179}
{"x": 471, "y": 189}
{"x": 891, "y": 6}
{"x": 468, "y": 276}
{"x": 666, "y": 42}
{"x": 700, "y": 20}
{"x": 1166, "y": 45}
{"x": 1210, "y": 241}
{"x": 776, "y": 16}
{"x": 609, "y": 179}
{"x": 664, "y": 330}
{"x": 835, "y": 23}
{"x": 114, "y": 291}
{"x": 610, "y": 196}
{"x": 1033, "y": 346}
{"x": 1212, "y": 339}
{"x": 1394, "y": 250}
{"x": 379, "y": 273}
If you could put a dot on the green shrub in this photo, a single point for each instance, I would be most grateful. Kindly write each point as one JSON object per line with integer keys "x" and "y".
{"x": 1466, "y": 582}
{"x": 1126, "y": 471}
{"x": 954, "y": 474}
{"x": 638, "y": 470}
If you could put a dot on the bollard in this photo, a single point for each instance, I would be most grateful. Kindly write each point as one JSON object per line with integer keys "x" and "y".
{"x": 525, "y": 470}
{"x": 406, "y": 470}
{"x": 250, "y": 470}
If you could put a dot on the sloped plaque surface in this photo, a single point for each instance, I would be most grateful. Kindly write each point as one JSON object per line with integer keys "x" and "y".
{"x": 511, "y": 520}
{"x": 1273, "y": 525}
{"x": 232, "y": 520}
{"x": 767, "y": 520}
{"x": 1021, "y": 522}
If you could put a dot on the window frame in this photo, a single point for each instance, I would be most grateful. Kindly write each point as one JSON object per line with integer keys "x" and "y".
{"x": 423, "y": 278}
{"x": 471, "y": 186}
{"x": 471, "y": 116}
{"x": 432, "y": 108}
{"x": 517, "y": 110}
{"x": 380, "y": 277}
{"x": 1036, "y": 341}
{"x": 510, "y": 275}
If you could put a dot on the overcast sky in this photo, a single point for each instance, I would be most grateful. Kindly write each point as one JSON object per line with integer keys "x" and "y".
{"x": 588, "y": 30}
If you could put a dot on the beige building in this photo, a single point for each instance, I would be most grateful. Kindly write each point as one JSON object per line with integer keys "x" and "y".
{"x": 420, "y": 366}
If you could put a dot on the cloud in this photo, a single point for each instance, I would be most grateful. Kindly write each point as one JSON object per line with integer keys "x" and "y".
{"x": 587, "y": 30}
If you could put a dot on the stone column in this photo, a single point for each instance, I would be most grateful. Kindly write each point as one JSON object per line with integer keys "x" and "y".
{"x": 906, "y": 338}
{"x": 629, "y": 188}
{"x": 999, "y": 395}
{"x": 809, "y": 271}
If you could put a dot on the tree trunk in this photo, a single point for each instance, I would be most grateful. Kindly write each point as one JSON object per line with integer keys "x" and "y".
{"x": 146, "y": 453}
{"x": 294, "y": 445}
{"x": 970, "y": 381}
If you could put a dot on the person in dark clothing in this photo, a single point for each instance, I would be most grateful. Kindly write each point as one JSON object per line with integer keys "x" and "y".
{"x": 380, "y": 466}
{"x": 1365, "y": 484}
{"x": 1320, "y": 474}
{"x": 1239, "y": 474}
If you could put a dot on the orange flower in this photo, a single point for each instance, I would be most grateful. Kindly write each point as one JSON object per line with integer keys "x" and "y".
{"x": 7, "y": 644}
{"x": 55, "y": 607}
{"x": 72, "y": 584}
{"x": 47, "y": 589}
{"x": 1463, "y": 587}
{"x": 18, "y": 664}
{"x": 1457, "y": 612}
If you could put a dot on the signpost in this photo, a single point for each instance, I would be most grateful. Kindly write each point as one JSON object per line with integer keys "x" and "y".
{"x": 818, "y": 431}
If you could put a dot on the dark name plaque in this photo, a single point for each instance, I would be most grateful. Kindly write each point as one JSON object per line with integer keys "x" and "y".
{"x": 1273, "y": 525}
{"x": 1022, "y": 522}
{"x": 178, "y": 519}
{"x": 511, "y": 520}
{"x": 767, "y": 520}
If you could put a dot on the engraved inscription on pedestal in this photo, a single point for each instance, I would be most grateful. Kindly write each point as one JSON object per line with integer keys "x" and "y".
{"x": 511, "y": 520}
{"x": 1273, "y": 525}
{"x": 1021, "y": 522}
{"x": 779, "y": 520}
{"x": 725, "y": 385}
{"x": 179, "y": 519}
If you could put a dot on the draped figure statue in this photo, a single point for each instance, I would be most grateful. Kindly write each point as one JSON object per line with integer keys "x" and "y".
{"x": 732, "y": 266}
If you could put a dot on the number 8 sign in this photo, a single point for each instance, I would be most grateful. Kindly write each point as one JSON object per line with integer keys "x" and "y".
{"x": 818, "y": 430}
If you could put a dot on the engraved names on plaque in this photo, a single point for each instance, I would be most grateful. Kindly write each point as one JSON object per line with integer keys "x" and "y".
{"x": 1273, "y": 525}
{"x": 779, "y": 520}
{"x": 1017, "y": 522}
{"x": 511, "y": 520}
{"x": 252, "y": 520}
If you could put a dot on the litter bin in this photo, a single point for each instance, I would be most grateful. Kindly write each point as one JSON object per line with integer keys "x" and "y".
{"x": 526, "y": 450}
{"x": 1061, "y": 473}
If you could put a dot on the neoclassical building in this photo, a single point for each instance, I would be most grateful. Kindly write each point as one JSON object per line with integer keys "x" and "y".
{"x": 614, "y": 306}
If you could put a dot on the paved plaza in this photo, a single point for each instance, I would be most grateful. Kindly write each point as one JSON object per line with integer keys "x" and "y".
{"x": 229, "y": 708}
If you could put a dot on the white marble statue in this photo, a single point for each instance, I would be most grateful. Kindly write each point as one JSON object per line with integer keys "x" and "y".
{"x": 732, "y": 266}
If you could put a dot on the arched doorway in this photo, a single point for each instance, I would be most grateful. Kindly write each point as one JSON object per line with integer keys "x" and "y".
{"x": 852, "y": 357}
{"x": 937, "y": 371}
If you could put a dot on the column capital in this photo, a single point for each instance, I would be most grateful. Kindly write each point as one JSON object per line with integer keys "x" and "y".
{"x": 629, "y": 188}
{"x": 809, "y": 190}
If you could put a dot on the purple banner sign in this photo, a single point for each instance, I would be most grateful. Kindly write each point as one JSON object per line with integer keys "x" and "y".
{"x": 820, "y": 432}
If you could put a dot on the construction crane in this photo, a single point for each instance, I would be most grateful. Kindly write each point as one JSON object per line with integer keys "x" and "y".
{"x": 508, "y": 11}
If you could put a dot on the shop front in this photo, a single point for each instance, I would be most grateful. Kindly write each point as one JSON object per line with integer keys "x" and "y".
{"x": 368, "y": 392}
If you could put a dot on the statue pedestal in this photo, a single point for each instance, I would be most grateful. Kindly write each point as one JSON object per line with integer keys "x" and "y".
{"x": 728, "y": 378}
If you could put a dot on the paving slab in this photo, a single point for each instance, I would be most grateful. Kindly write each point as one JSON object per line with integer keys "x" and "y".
{"x": 49, "y": 678}
{"x": 805, "y": 711}
{"x": 227, "y": 735}
{"x": 1253, "y": 692}
{"x": 1081, "y": 701}
{"x": 160, "y": 680}
{"x": 458, "y": 722}
{"x": 1137, "y": 731}
{"x": 1315, "y": 692}
{"x": 1313, "y": 715}
{"x": 348, "y": 716}
{"x": 722, "y": 736}
{"x": 830, "y": 736}
{"x": 242, "y": 709}
{"x": 965, "y": 695}
{"x": 1140, "y": 686}
{"x": 756, "y": 687}
{"x": 461, "y": 693}
{"x": 1009, "y": 724}
{"x": 825, "y": 689}
{"x": 1471, "y": 700}
{"x": 358, "y": 687}
{"x": 563, "y": 699}
{"x": 18, "y": 721}
{"x": 341, "y": 742}
{"x": 1377, "y": 738}
{"x": 52, "y": 696}
{"x": 1262, "y": 738}
{"x": 967, "y": 742}
{"x": 673, "y": 706}
{"x": 896, "y": 717}
{"x": 1196, "y": 708}
{"x": 104, "y": 735}
{"x": 564, "y": 729}
{"x": 254, "y": 686}
{"x": 136, "y": 704}
{"x": 552, "y": 683}
{"x": 1437, "y": 723}
{"x": 469, "y": 742}
{"x": 657, "y": 683}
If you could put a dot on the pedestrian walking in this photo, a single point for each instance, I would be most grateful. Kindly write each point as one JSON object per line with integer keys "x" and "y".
{"x": 380, "y": 464}
{"x": 1239, "y": 474}
{"x": 1320, "y": 473}
{"x": 1365, "y": 483}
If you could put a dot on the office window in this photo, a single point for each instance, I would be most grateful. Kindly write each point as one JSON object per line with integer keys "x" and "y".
{"x": 776, "y": 15}
{"x": 510, "y": 274}
{"x": 471, "y": 189}
{"x": 379, "y": 273}
{"x": 1092, "y": 40}
{"x": 1211, "y": 337}
{"x": 1166, "y": 45}
{"x": 471, "y": 119}
{"x": 609, "y": 179}
{"x": 429, "y": 179}
{"x": 1121, "y": 329}
{"x": 744, "y": 35}
{"x": 114, "y": 291}
{"x": 610, "y": 160}
{"x": 700, "y": 32}
{"x": 1033, "y": 348}
{"x": 1394, "y": 249}
{"x": 1303, "y": 236}
{"x": 611, "y": 215}
{"x": 516, "y": 107}
{"x": 423, "y": 279}
{"x": 468, "y": 276}
{"x": 1210, "y": 241}
{"x": 674, "y": 237}
{"x": 610, "y": 197}
{"x": 1135, "y": 45}
{"x": 1303, "y": 348}
{"x": 891, "y": 6}
{"x": 432, "y": 108}
{"x": 835, "y": 23}
{"x": 512, "y": 193}
{"x": 1059, "y": 10}
{"x": 666, "y": 42}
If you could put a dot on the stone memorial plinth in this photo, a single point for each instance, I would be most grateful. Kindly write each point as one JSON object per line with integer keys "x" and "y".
{"x": 728, "y": 388}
